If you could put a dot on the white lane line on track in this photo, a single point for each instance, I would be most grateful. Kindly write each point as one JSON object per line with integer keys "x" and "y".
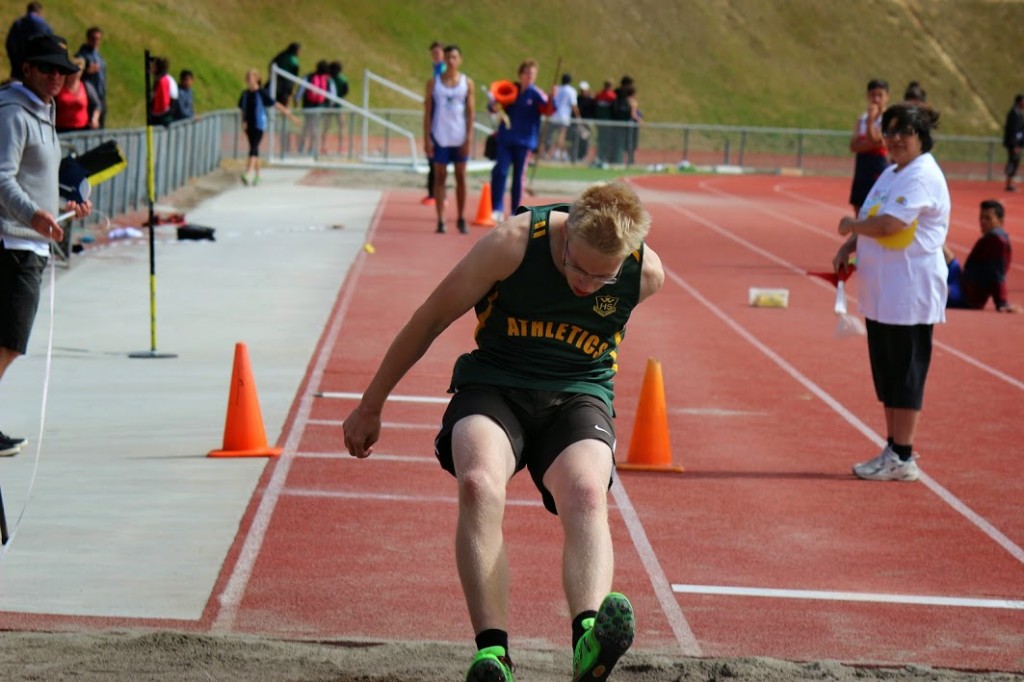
{"x": 659, "y": 581}
{"x": 345, "y": 457}
{"x": 383, "y": 425}
{"x": 724, "y": 232}
{"x": 348, "y": 395}
{"x": 825, "y": 595}
{"x": 949, "y": 498}
{"x": 234, "y": 590}
{"x": 392, "y": 497}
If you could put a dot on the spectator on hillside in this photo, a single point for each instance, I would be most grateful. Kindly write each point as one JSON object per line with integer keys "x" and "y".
{"x": 29, "y": 199}
{"x": 23, "y": 28}
{"x": 625, "y": 109}
{"x": 95, "y": 72}
{"x": 867, "y": 143}
{"x": 255, "y": 102}
{"x": 313, "y": 100}
{"x": 438, "y": 67}
{"x": 165, "y": 92}
{"x": 340, "y": 81}
{"x": 983, "y": 275}
{"x": 565, "y": 100}
{"x": 915, "y": 94}
{"x": 78, "y": 106}
{"x": 287, "y": 60}
{"x": 603, "y": 112}
{"x": 517, "y": 139}
{"x": 582, "y": 132}
{"x": 1013, "y": 139}
{"x": 185, "y": 107}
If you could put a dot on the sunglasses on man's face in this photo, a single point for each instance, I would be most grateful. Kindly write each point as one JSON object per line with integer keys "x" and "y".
{"x": 47, "y": 69}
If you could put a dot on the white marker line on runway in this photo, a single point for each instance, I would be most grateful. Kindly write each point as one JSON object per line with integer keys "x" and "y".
{"x": 921, "y": 600}
{"x": 391, "y": 398}
{"x": 344, "y": 456}
{"x": 391, "y": 497}
{"x": 384, "y": 425}
{"x": 714, "y": 227}
{"x": 987, "y": 528}
{"x": 234, "y": 590}
{"x": 659, "y": 581}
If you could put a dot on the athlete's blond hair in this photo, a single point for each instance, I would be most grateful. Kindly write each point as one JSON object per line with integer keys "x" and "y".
{"x": 610, "y": 218}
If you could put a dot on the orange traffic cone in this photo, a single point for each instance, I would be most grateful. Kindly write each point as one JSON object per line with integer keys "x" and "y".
{"x": 243, "y": 431}
{"x": 483, "y": 210}
{"x": 649, "y": 448}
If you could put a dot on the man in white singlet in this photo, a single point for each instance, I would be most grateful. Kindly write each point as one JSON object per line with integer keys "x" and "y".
{"x": 448, "y": 114}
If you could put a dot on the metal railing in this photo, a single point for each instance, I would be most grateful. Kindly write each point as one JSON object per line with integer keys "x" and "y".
{"x": 181, "y": 151}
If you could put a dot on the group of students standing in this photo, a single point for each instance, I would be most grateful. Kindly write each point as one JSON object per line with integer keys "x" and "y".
{"x": 449, "y": 114}
{"x": 319, "y": 89}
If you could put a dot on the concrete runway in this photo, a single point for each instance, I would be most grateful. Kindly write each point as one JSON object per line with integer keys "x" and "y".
{"x": 114, "y": 507}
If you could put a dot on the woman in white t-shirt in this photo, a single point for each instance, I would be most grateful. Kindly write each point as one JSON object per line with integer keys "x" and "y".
{"x": 898, "y": 237}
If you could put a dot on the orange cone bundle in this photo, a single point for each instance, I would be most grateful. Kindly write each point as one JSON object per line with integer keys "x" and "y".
{"x": 504, "y": 92}
{"x": 649, "y": 447}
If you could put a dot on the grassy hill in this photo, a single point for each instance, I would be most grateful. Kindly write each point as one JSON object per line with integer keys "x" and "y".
{"x": 791, "y": 63}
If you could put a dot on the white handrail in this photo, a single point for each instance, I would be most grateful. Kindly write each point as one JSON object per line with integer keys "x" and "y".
{"x": 367, "y": 115}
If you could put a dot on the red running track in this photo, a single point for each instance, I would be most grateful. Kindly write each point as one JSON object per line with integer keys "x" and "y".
{"x": 765, "y": 546}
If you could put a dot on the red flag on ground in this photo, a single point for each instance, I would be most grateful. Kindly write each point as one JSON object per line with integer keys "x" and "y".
{"x": 835, "y": 277}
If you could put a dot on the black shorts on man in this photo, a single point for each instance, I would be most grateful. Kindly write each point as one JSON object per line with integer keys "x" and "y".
{"x": 539, "y": 425}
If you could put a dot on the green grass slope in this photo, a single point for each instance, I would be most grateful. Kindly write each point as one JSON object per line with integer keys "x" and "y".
{"x": 789, "y": 63}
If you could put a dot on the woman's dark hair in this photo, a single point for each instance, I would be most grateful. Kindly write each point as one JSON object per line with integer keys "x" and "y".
{"x": 922, "y": 119}
{"x": 915, "y": 93}
{"x": 876, "y": 83}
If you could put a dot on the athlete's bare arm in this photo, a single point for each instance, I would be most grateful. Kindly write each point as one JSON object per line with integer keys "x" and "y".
{"x": 493, "y": 258}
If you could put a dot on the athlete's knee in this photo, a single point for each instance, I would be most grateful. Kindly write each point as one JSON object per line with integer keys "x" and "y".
{"x": 581, "y": 497}
{"x": 480, "y": 488}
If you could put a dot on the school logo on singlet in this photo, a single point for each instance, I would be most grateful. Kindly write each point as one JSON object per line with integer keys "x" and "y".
{"x": 605, "y": 305}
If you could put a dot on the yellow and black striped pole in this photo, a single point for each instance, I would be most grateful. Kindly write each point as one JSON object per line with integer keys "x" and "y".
{"x": 151, "y": 195}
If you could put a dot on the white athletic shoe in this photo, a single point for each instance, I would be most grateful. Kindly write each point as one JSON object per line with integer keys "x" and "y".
{"x": 888, "y": 467}
{"x": 497, "y": 216}
{"x": 871, "y": 464}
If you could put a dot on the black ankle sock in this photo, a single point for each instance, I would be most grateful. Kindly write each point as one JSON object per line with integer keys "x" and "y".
{"x": 904, "y": 451}
{"x": 577, "y": 626}
{"x": 492, "y": 638}
{"x": 889, "y": 441}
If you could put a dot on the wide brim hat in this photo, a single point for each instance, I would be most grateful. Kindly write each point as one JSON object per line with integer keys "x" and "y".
{"x": 49, "y": 49}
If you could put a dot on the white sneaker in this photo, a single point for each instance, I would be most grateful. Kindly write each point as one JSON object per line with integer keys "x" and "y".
{"x": 871, "y": 464}
{"x": 888, "y": 467}
{"x": 497, "y": 216}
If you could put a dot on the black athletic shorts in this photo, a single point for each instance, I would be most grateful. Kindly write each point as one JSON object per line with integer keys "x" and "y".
{"x": 900, "y": 357}
{"x": 21, "y": 276}
{"x": 539, "y": 425}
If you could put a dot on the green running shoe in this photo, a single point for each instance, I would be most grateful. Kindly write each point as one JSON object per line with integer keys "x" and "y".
{"x": 607, "y": 637}
{"x": 491, "y": 665}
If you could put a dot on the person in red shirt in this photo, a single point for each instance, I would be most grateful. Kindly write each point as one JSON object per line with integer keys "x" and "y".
{"x": 78, "y": 105}
{"x": 165, "y": 91}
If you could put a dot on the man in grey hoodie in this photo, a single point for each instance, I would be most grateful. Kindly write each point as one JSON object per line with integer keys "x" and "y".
{"x": 29, "y": 195}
